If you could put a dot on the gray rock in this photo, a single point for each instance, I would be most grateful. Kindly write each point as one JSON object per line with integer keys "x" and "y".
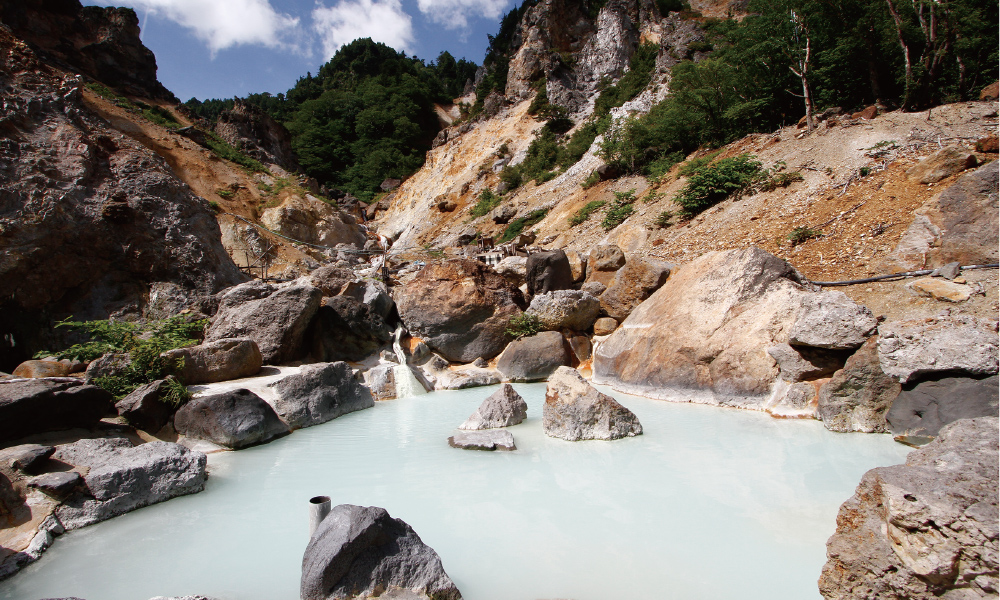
{"x": 926, "y": 407}
{"x": 533, "y": 358}
{"x": 513, "y": 268}
{"x": 372, "y": 294}
{"x": 122, "y": 478}
{"x": 908, "y": 349}
{"x": 575, "y": 410}
{"x": 803, "y": 362}
{"x": 234, "y": 419}
{"x": 274, "y": 318}
{"x": 145, "y": 407}
{"x": 381, "y": 380}
{"x": 594, "y": 288}
{"x": 632, "y": 284}
{"x": 107, "y": 365}
{"x": 480, "y": 362}
{"x": 565, "y": 309}
{"x": 831, "y": 320}
{"x": 460, "y": 379}
{"x": 605, "y": 326}
{"x": 330, "y": 279}
{"x": 346, "y": 329}
{"x": 547, "y": 272}
{"x": 501, "y": 408}
{"x": 221, "y": 360}
{"x": 58, "y": 484}
{"x": 319, "y": 393}
{"x": 490, "y": 439}
{"x": 362, "y": 552}
{"x": 924, "y": 530}
{"x": 606, "y": 258}
{"x": 39, "y": 405}
{"x": 26, "y": 458}
{"x": 858, "y": 396}
{"x": 948, "y": 271}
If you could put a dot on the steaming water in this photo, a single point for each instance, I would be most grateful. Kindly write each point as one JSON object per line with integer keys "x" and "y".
{"x": 709, "y": 504}
{"x": 407, "y": 385}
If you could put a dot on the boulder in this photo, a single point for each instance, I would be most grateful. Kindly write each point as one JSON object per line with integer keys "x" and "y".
{"x": 924, "y": 530}
{"x": 381, "y": 380}
{"x": 605, "y": 326}
{"x": 42, "y": 368}
{"x": 146, "y": 408}
{"x": 603, "y": 262}
{"x": 565, "y": 309}
{"x": 501, "y": 408}
{"x": 220, "y": 360}
{"x": 275, "y": 318}
{"x": 34, "y": 406}
{"x": 594, "y": 288}
{"x": 831, "y": 320}
{"x": 26, "y": 458}
{"x": 923, "y": 409}
{"x": 122, "y": 478}
{"x": 793, "y": 400}
{"x": 547, "y": 272}
{"x": 533, "y": 358}
{"x": 320, "y": 393}
{"x": 703, "y": 336}
{"x": 632, "y": 284}
{"x": 234, "y": 419}
{"x": 495, "y": 439}
{"x": 911, "y": 348}
{"x": 577, "y": 265}
{"x": 460, "y": 308}
{"x": 107, "y": 365}
{"x": 362, "y": 552}
{"x": 346, "y": 329}
{"x": 58, "y": 485}
{"x": 331, "y": 280}
{"x": 943, "y": 163}
{"x": 581, "y": 348}
{"x": 939, "y": 289}
{"x": 514, "y": 268}
{"x": 799, "y": 363}
{"x": 440, "y": 376}
{"x": 308, "y": 219}
{"x": 574, "y": 410}
{"x": 858, "y": 396}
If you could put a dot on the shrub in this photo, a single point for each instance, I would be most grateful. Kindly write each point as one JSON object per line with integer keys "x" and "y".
{"x": 584, "y": 213}
{"x": 803, "y": 234}
{"x": 780, "y": 180}
{"x": 523, "y": 325}
{"x": 694, "y": 165}
{"x": 487, "y": 202}
{"x": 224, "y": 193}
{"x": 652, "y": 196}
{"x": 659, "y": 167}
{"x": 864, "y": 171}
{"x": 517, "y": 225}
{"x": 593, "y": 179}
{"x": 214, "y": 206}
{"x": 715, "y": 183}
{"x": 620, "y": 210}
{"x": 664, "y": 219}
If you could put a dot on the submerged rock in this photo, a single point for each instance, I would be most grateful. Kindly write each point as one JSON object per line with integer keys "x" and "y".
{"x": 319, "y": 393}
{"x": 575, "y": 410}
{"x": 362, "y": 552}
{"x": 924, "y": 530}
{"x": 234, "y": 419}
{"x": 490, "y": 439}
{"x": 501, "y": 408}
{"x": 122, "y": 478}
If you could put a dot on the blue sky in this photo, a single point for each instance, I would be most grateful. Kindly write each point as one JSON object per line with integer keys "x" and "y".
{"x": 225, "y": 48}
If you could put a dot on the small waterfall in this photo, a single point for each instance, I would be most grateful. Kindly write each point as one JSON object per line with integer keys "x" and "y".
{"x": 407, "y": 385}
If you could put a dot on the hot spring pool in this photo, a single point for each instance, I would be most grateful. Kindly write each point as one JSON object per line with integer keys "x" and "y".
{"x": 709, "y": 503}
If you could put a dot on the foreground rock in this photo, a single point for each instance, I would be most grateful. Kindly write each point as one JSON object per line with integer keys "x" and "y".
{"x": 147, "y": 407}
{"x": 534, "y": 358}
{"x": 548, "y": 272}
{"x": 502, "y": 408}
{"x": 703, "y": 336}
{"x": 460, "y": 308}
{"x": 362, "y": 552}
{"x": 858, "y": 396}
{"x": 122, "y": 478}
{"x": 489, "y": 440}
{"x": 923, "y": 530}
{"x": 34, "y": 406}
{"x": 574, "y": 410}
{"x": 908, "y": 349}
{"x": 275, "y": 318}
{"x": 930, "y": 405}
{"x": 632, "y": 284}
{"x": 565, "y": 309}
{"x": 943, "y": 163}
{"x": 320, "y": 393}
{"x": 234, "y": 419}
{"x": 221, "y": 360}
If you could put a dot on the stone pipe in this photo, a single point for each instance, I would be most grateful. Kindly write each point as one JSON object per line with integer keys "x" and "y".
{"x": 319, "y": 508}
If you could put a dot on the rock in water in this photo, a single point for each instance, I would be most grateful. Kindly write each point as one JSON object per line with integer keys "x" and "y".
{"x": 362, "y": 552}
{"x": 924, "y": 530}
{"x": 234, "y": 419}
{"x": 858, "y": 396}
{"x": 319, "y": 393}
{"x": 502, "y": 408}
{"x": 122, "y": 478}
{"x": 926, "y": 407}
{"x": 534, "y": 358}
{"x": 575, "y": 410}
{"x": 491, "y": 439}
{"x": 39, "y": 405}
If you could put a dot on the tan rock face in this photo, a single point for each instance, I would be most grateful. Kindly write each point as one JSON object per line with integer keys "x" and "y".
{"x": 632, "y": 284}
{"x": 703, "y": 336}
{"x": 311, "y": 220}
{"x": 946, "y": 161}
{"x": 41, "y": 368}
{"x": 858, "y": 396}
{"x": 942, "y": 289}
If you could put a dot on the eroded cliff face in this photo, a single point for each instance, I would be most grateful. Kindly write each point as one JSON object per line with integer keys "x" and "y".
{"x": 89, "y": 218}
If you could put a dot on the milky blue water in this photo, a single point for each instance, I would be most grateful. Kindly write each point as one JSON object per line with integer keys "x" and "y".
{"x": 709, "y": 503}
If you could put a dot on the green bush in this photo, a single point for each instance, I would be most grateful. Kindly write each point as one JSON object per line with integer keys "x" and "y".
{"x": 664, "y": 219}
{"x": 715, "y": 183}
{"x": 223, "y": 150}
{"x": 593, "y": 179}
{"x": 224, "y": 193}
{"x": 803, "y": 234}
{"x": 517, "y": 225}
{"x": 487, "y": 202}
{"x": 620, "y": 210}
{"x": 523, "y": 325}
{"x": 659, "y": 167}
{"x": 584, "y": 213}
{"x": 690, "y": 167}
{"x": 143, "y": 342}
{"x": 631, "y": 83}
{"x": 214, "y": 206}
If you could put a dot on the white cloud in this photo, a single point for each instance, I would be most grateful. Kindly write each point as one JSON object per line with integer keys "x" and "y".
{"x": 381, "y": 20}
{"x": 454, "y": 14}
{"x": 224, "y": 23}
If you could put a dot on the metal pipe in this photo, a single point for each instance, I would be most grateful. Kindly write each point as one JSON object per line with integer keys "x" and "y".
{"x": 319, "y": 508}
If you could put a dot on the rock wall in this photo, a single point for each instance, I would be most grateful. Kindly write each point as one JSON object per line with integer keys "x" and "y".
{"x": 253, "y": 131}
